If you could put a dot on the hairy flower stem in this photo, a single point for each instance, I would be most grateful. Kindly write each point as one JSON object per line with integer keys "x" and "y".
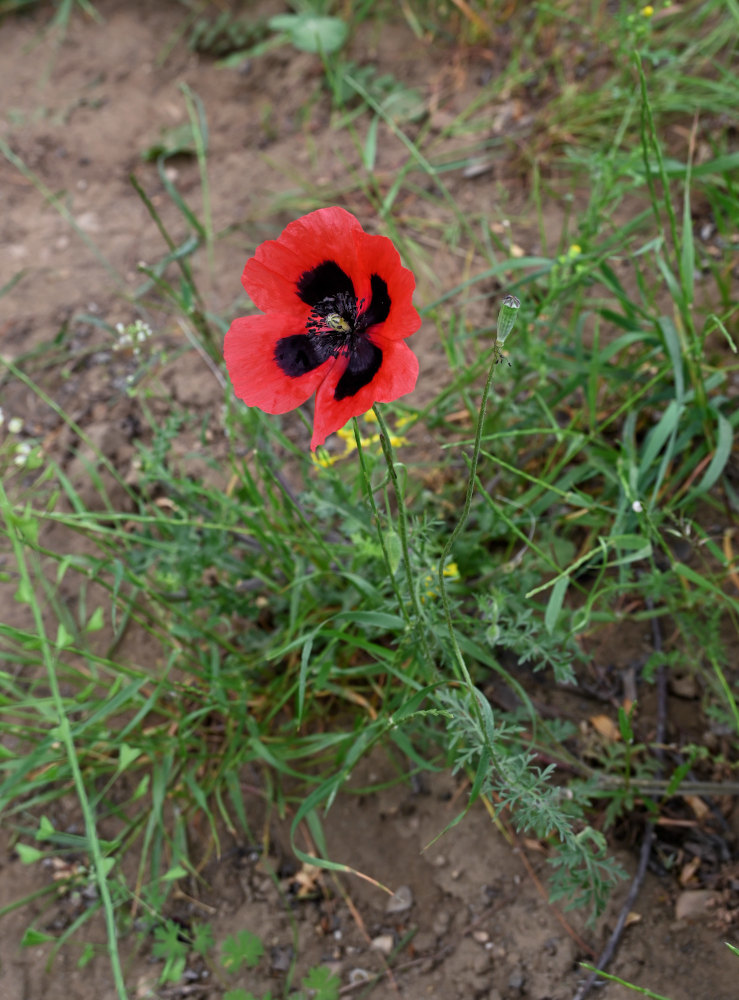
{"x": 376, "y": 514}
{"x": 389, "y": 453}
{"x": 506, "y": 320}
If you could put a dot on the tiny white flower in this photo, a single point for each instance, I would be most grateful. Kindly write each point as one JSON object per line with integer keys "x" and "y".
{"x": 637, "y": 507}
{"x": 22, "y": 451}
{"x": 15, "y": 425}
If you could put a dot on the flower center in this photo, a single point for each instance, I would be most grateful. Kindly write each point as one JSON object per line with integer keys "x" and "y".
{"x": 335, "y": 318}
{"x": 338, "y": 323}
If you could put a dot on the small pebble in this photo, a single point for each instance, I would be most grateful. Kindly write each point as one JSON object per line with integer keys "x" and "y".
{"x": 400, "y": 901}
{"x": 357, "y": 976}
{"x": 383, "y": 943}
{"x": 516, "y": 979}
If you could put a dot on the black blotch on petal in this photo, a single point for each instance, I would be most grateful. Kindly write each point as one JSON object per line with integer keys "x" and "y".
{"x": 297, "y": 355}
{"x": 379, "y": 307}
{"x": 364, "y": 363}
{"x": 324, "y": 281}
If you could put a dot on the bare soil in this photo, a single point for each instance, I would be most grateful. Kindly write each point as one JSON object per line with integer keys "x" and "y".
{"x": 79, "y": 114}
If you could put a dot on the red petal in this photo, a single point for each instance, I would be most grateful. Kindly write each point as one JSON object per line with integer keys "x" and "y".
{"x": 396, "y": 377}
{"x": 271, "y": 275}
{"x": 249, "y": 350}
{"x": 377, "y": 255}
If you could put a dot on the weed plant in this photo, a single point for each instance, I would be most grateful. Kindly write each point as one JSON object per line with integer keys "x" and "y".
{"x": 300, "y": 614}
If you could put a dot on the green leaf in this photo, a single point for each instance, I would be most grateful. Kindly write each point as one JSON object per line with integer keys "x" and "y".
{"x": 323, "y": 982}
{"x": 28, "y": 855}
{"x": 369, "y": 152}
{"x": 394, "y": 546}
{"x": 169, "y": 946}
{"x": 96, "y": 621}
{"x": 33, "y": 937}
{"x": 377, "y": 619}
{"x": 240, "y": 949}
{"x": 24, "y": 593}
{"x": 45, "y": 829}
{"x": 624, "y": 725}
{"x": 202, "y": 939}
{"x": 174, "y": 873}
{"x": 724, "y": 443}
{"x": 63, "y": 638}
{"x": 106, "y": 866}
{"x": 88, "y": 953}
{"x": 177, "y": 140}
{"x": 555, "y": 603}
{"x": 311, "y": 33}
{"x": 126, "y": 755}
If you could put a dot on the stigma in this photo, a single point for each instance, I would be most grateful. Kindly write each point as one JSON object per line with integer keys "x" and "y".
{"x": 337, "y": 322}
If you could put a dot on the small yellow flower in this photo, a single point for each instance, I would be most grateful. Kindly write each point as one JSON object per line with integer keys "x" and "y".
{"x": 575, "y": 250}
{"x": 431, "y": 589}
{"x": 647, "y": 11}
{"x": 409, "y": 418}
{"x": 322, "y": 459}
{"x": 370, "y": 417}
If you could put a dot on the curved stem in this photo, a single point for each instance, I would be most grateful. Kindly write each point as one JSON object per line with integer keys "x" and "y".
{"x": 461, "y": 523}
{"x": 505, "y": 323}
{"x": 376, "y": 515}
{"x": 389, "y": 453}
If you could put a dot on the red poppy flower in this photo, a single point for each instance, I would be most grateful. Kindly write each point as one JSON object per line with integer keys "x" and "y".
{"x": 337, "y": 306}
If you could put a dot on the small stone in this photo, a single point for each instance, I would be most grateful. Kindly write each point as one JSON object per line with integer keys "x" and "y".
{"x": 684, "y": 686}
{"x": 383, "y": 943}
{"x": 400, "y": 901}
{"x": 89, "y": 221}
{"x": 281, "y": 957}
{"x": 481, "y": 937}
{"x": 691, "y": 904}
{"x": 357, "y": 976}
{"x": 516, "y": 979}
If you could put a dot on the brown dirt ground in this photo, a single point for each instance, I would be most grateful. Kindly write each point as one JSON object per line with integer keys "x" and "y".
{"x": 79, "y": 115}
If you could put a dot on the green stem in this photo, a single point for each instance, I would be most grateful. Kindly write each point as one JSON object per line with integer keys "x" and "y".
{"x": 461, "y": 523}
{"x": 376, "y": 514}
{"x": 65, "y": 736}
{"x": 506, "y": 321}
{"x": 389, "y": 453}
